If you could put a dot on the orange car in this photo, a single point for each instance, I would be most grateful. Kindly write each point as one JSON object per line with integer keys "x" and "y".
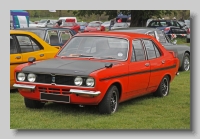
{"x": 24, "y": 44}
{"x": 99, "y": 68}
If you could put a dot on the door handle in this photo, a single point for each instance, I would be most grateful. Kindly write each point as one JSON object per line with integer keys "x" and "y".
{"x": 146, "y": 64}
{"x": 41, "y": 55}
{"x": 163, "y": 61}
{"x": 17, "y": 57}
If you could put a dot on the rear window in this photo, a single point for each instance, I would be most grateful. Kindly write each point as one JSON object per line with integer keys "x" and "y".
{"x": 158, "y": 24}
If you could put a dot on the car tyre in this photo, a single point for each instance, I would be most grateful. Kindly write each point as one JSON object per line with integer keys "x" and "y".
{"x": 163, "y": 88}
{"x": 29, "y": 103}
{"x": 185, "y": 66}
{"x": 110, "y": 102}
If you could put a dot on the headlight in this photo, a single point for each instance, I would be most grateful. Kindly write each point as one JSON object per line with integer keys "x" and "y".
{"x": 78, "y": 81}
{"x": 21, "y": 76}
{"x": 90, "y": 82}
{"x": 31, "y": 77}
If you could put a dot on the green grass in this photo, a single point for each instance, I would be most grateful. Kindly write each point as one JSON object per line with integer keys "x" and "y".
{"x": 182, "y": 41}
{"x": 147, "y": 112}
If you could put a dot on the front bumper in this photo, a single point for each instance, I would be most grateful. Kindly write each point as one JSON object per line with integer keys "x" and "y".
{"x": 32, "y": 88}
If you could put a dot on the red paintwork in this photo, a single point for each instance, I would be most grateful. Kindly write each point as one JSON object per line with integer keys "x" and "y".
{"x": 131, "y": 86}
{"x": 94, "y": 29}
{"x": 75, "y": 27}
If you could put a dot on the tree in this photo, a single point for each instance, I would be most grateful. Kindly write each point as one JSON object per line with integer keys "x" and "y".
{"x": 138, "y": 17}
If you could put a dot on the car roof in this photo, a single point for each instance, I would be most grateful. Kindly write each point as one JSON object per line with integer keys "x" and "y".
{"x": 115, "y": 34}
{"x": 46, "y": 28}
{"x": 20, "y": 32}
{"x": 136, "y": 29}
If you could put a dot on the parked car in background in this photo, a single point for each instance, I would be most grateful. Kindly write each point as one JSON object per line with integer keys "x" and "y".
{"x": 43, "y": 23}
{"x": 70, "y": 25}
{"x": 171, "y": 27}
{"x": 120, "y": 25}
{"x": 149, "y": 20}
{"x": 182, "y": 51}
{"x": 82, "y": 25}
{"x": 100, "y": 22}
{"x": 51, "y": 23}
{"x": 54, "y": 36}
{"x": 32, "y": 24}
{"x": 92, "y": 26}
{"x": 187, "y": 22}
{"x": 99, "y": 68}
{"x": 106, "y": 24}
{"x": 24, "y": 44}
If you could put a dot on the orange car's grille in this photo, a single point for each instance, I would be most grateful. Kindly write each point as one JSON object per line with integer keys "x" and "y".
{"x": 53, "y": 90}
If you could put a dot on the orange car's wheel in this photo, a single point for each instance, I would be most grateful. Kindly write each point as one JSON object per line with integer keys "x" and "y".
{"x": 29, "y": 103}
{"x": 110, "y": 102}
{"x": 163, "y": 88}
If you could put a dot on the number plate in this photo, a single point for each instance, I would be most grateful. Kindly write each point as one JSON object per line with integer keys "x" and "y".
{"x": 55, "y": 97}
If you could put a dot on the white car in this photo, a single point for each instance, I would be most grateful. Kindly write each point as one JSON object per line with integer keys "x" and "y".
{"x": 32, "y": 24}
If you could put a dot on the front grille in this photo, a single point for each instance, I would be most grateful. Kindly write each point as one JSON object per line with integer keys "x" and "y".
{"x": 53, "y": 90}
{"x": 44, "y": 78}
{"x": 57, "y": 79}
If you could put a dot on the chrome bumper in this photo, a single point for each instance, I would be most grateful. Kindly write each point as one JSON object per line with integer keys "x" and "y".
{"x": 22, "y": 86}
{"x": 73, "y": 91}
{"x": 85, "y": 92}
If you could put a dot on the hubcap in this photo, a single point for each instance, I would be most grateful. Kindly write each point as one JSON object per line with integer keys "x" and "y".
{"x": 113, "y": 102}
{"x": 165, "y": 87}
{"x": 186, "y": 64}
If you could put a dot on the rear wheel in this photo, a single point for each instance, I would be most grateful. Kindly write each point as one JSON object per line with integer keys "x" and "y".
{"x": 110, "y": 102}
{"x": 29, "y": 103}
{"x": 163, "y": 88}
{"x": 185, "y": 66}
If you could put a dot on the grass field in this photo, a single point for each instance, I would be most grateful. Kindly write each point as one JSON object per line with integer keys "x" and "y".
{"x": 147, "y": 112}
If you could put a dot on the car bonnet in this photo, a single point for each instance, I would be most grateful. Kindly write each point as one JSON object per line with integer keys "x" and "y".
{"x": 66, "y": 66}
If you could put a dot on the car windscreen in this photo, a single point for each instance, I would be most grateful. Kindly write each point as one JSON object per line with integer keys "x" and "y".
{"x": 96, "y": 47}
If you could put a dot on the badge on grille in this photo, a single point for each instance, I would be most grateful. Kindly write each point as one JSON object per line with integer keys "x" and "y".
{"x": 53, "y": 79}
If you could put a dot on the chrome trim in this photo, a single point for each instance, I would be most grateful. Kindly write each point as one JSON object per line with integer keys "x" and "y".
{"x": 85, "y": 92}
{"x": 24, "y": 86}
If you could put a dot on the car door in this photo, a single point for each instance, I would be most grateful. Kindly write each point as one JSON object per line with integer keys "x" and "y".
{"x": 157, "y": 63}
{"x": 29, "y": 47}
{"x": 139, "y": 70}
{"x": 15, "y": 58}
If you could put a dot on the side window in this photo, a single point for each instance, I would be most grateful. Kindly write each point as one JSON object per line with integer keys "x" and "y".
{"x": 152, "y": 50}
{"x": 138, "y": 51}
{"x": 27, "y": 44}
{"x": 65, "y": 36}
{"x": 53, "y": 37}
{"x": 13, "y": 46}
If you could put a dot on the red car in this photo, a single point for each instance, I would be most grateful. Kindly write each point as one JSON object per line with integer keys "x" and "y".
{"x": 92, "y": 26}
{"x": 99, "y": 68}
{"x": 71, "y": 25}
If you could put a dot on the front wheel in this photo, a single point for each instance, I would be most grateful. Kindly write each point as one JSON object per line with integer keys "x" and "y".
{"x": 185, "y": 66}
{"x": 163, "y": 88}
{"x": 110, "y": 102}
{"x": 29, "y": 103}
